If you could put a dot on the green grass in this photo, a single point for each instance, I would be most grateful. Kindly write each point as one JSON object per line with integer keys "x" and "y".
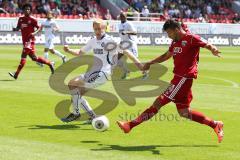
{"x": 30, "y": 130}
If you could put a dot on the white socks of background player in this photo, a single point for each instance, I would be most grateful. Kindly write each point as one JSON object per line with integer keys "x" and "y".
{"x": 79, "y": 101}
{"x": 46, "y": 55}
{"x": 122, "y": 65}
{"x": 59, "y": 54}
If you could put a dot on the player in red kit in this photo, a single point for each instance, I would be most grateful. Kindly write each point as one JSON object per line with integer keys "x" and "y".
{"x": 185, "y": 52}
{"x": 27, "y": 24}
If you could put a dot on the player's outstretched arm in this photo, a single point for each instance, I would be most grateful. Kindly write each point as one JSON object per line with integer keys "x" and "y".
{"x": 135, "y": 60}
{"x": 159, "y": 59}
{"x": 75, "y": 52}
{"x": 37, "y": 31}
{"x": 213, "y": 49}
{"x": 129, "y": 32}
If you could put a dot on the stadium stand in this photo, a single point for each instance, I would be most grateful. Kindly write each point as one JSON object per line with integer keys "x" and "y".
{"x": 210, "y": 11}
{"x": 69, "y": 9}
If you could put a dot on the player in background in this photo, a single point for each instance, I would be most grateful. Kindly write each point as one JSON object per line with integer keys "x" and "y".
{"x": 27, "y": 24}
{"x": 128, "y": 33}
{"x": 100, "y": 72}
{"x": 184, "y": 49}
{"x": 50, "y": 27}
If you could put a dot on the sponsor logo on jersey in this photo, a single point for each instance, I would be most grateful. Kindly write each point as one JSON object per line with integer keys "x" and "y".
{"x": 103, "y": 44}
{"x": 93, "y": 78}
{"x": 24, "y": 25}
{"x": 177, "y": 50}
{"x": 98, "y": 51}
{"x": 184, "y": 43}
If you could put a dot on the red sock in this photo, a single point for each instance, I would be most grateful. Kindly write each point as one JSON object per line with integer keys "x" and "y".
{"x": 146, "y": 115}
{"x": 200, "y": 118}
{"x": 20, "y": 66}
{"x": 43, "y": 61}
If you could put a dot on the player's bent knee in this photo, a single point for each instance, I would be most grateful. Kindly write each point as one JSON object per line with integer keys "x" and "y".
{"x": 33, "y": 57}
{"x": 184, "y": 112}
{"x": 74, "y": 83}
{"x": 161, "y": 101}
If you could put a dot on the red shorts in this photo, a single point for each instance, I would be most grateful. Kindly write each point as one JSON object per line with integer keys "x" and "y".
{"x": 29, "y": 47}
{"x": 179, "y": 92}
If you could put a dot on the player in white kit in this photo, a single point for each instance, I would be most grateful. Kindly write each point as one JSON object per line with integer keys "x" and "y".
{"x": 127, "y": 33}
{"x": 50, "y": 27}
{"x": 100, "y": 72}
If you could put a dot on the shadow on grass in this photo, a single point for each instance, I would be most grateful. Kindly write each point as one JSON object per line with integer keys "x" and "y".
{"x": 89, "y": 141}
{"x": 7, "y": 80}
{"x": 152, "y": 148}
{"x": 55, "y": 127}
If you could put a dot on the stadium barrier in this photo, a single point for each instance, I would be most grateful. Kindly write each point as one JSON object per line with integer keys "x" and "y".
{"x": 73, "y": 38}
{"x": 75, "y": 25}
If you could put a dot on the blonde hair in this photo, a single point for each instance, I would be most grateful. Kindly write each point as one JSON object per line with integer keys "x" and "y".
{"x": 99, "y": 22}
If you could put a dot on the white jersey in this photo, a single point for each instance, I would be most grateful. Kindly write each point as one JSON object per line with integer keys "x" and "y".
{"x": 49, "y": 26}
{"x": 103, "y": 60}
{"x": 127, "y": 26}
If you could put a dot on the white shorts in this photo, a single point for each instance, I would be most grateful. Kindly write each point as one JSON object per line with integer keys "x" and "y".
{"x": 94, "y": 79}
{"x": 49, "y": 43}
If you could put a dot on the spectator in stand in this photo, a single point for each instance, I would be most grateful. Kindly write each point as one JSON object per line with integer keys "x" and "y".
{"x": 81, "y": 10}
{"x": 3, "y": 10}
{"x": 80, "y": 16}
{"x": 201, "y": 19}
{"x": 56, "y": 12}
{"x": 4, "y": 7}
{"x": 75, "y": 10}
{"x": 65, "y": 9}
{"x": 138, "y": 4}
{"x": 108, "y": 16}
{"x": 196, "y": 13}
{"x": 145, "y": 12}
{"x": 188, "y": 9}
{"x": 236, "y": 18}
{"x": 46, "y": 7}
{"x": 14, "y": 6}
{"x": 136, "y": 15}
{"x": 209, "y": 9}
{"x": 39, "y": 8}
{"x": 52, "y": 4}
{"x": 187, "y": 13}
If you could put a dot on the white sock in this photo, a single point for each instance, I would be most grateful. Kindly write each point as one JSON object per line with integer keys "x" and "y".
{"x": 58, "y": 54}
{"x": 75, "y": 101}
{"x": 122, "y": 65}
{"x": 85, "y": 105}
{"x": 46, "y": 55}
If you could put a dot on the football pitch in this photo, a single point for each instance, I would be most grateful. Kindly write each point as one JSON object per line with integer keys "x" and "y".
{"x": 30, "y": 130}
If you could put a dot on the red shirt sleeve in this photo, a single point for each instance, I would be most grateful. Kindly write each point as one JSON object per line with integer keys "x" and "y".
{"x": 35, "y": 23}
{"x": 198, "y": 41}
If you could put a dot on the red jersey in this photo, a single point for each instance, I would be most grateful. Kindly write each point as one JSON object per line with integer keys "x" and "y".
{"x": 27, "y": 26}
{"x": 186, "y": 55}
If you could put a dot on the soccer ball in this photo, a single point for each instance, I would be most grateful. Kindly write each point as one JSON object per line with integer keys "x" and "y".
{"x": 100, "y": 123}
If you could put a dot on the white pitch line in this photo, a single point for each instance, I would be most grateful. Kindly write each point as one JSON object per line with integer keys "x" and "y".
{"x": 234, "y": 84}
